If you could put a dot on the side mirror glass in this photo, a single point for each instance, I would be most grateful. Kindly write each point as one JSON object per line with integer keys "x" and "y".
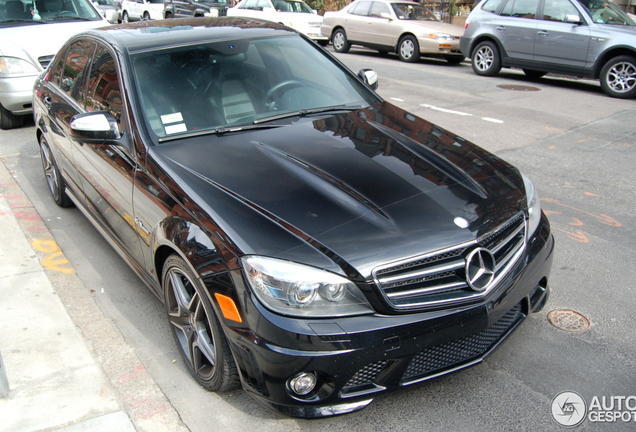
{"x": 573, "y": 19}
{"x": 386, "y": 15}
{"x": 369, "y": 77}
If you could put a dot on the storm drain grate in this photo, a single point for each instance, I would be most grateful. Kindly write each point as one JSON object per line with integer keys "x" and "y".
{"x": 568, "y": 320}
{"x": 517, "y": 87}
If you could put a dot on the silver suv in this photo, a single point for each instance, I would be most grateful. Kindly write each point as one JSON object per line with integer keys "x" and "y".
{"x": 584, "y": 38}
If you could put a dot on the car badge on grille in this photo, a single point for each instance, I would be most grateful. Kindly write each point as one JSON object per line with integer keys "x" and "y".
{"x": 480, "y": 269}
{"x": 461, "y": 222}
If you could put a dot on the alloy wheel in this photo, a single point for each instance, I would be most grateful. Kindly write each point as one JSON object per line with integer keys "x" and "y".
{"x": 484, "y": 58}
{"x": 50, "y": 170}
{"x": 621, "y": 77}
{"x": 189, "y": 320}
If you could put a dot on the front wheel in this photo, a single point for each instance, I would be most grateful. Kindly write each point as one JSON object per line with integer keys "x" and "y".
{"x": 486, "y": 60}
{"x": 409, "y": 49}
{"x": 52, "y": 174}
{"x": 618, "y": 77}
{"x": 340, "y": 42}
{"x": 124, "y": 18}
{"x": 146, "y": 16}
{"x": 196, "y": 329}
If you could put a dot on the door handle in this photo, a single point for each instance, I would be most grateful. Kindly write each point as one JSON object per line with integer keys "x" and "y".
{"x": 501, "y": 28}
{"x": 543, "y": 32}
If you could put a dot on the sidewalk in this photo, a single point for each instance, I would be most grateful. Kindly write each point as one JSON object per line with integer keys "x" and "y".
{"x": 68, "y": 367}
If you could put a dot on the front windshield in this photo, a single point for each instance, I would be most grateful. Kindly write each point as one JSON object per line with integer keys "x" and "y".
{"x": 291, "y": 6}
{"x": 105, "y": 2}
{"x": 605, "y": 12}
{"x": 233, "y": 83}
{"x": 409, "y": 11}
{"x": 46, "y": 11}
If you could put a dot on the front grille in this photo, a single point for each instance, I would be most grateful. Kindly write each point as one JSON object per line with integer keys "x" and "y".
{"x": 439, "y": 279}
{"x": 462, "y": 350}
{"x": 366, "y": 375}
{"x": 45, "y": 60}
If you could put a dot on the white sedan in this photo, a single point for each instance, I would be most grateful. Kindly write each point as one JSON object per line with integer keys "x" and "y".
{"x": 292, "y": 13}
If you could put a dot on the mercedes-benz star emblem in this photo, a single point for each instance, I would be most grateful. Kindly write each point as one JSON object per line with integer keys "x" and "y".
{"x": 480, "y": 269}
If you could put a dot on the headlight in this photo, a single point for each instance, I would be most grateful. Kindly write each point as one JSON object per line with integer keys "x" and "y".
{"x": 212, "y": 14}
{"x": 440, "y": 36}
{"x": 16, "y": 66}
{"x": 534, "y": 206}
{"x": 295, "y": 289}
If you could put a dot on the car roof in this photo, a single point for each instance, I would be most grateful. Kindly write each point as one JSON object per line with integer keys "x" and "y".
{"x": 147, "y": 35}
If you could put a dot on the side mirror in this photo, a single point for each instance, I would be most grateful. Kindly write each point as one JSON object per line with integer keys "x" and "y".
{"x": 369, "y": 77}
{"x": 98, "y": 127}
{"x": 573, "y": 19}
{"x": 386, "y": 15}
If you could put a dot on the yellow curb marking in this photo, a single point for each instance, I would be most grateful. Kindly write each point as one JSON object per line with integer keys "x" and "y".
{"x": 55, "y": 259}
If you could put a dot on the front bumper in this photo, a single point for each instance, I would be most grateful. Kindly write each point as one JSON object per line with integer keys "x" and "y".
{"x": 16, "y": 93}
{"x": 356, "y": 358}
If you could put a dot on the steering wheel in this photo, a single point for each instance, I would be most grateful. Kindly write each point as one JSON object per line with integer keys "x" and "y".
{"x": 270, "y": 102}
{"x": 65, "y": 13}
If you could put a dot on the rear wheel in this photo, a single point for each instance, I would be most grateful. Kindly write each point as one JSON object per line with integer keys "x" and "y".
{"x": 168, "y": 15}
{"x": 196, "y": 329}
{"x": 340, "y": 42}
{"x": 146, "y": 16}
{"x": 52, "y": 174}
{"x": 618, "y": 77}
{"x": 533, "y": 73}
{"x": 486, "y": 60}
{"x": 409, "y": 49}
{"x": 124, "y": 17}
{"x": 8, "y": 120}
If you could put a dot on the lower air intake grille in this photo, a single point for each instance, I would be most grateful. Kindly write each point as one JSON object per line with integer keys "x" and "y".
{"x": 471, "y": 347}
{"x": 366, "y": 375}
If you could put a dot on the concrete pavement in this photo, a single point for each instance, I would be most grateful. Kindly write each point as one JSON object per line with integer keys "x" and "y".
{"x": 67, "y": 367}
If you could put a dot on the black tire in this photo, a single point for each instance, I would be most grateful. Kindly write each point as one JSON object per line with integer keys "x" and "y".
{"x": 323, "y": 42}
{"x": 534, "y": 73}
{"x": 168, "y": 15}
{"x": 8, "y": 120}
{"x": 409, "y": 49}
{"x": 146, "y": 16}
{"x": 455, "y": 60}
{"x": 52, "y": 174}
{"x": 486, "y": 60}
{"x": 340, "y": 42}
{"x": 196, "y": 329}
{"x": 618, "y": 77}
{"x": 124, "y": 18}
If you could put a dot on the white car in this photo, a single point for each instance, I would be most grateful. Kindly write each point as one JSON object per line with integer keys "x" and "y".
{"x": 136, "y": 10}
{"x": 29, "y": 38}
{"x": 292, "y": 13}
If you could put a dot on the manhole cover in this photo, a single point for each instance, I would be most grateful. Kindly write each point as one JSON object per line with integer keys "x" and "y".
{"x": 518, "y": 87}
{"x": 568, "y": 320}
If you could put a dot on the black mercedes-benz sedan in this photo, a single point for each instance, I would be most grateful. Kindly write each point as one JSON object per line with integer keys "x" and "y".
{"x": 309, "y": 240}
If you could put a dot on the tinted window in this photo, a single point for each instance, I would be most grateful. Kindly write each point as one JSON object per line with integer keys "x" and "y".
{"x": 520, "y": 8}
{"x": 361, "y": 8}
{"x": 73, "y": 77}
{"x": 103, "y": 85}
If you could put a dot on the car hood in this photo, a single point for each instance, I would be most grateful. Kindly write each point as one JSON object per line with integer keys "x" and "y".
{"x": 32, "y": 41}
{"x": 370, "y": 186}
{"x": 428, "y": 26}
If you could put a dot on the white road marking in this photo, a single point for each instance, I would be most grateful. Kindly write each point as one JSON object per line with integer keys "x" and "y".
{"x": 488, "y": 119}
{"x": 397, "y": 99}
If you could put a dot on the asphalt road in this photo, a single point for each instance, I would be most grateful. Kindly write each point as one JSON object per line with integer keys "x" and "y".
{"x": 579, "y": 148}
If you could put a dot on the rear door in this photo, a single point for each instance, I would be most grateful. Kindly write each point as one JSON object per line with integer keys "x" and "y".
{"x": 356, "y": 22}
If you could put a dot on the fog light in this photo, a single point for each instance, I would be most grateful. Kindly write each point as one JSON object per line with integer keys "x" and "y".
{"x": 303, "y": 383}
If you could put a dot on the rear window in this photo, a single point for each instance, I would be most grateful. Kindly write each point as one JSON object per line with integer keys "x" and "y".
{"x": 491, "y": 5}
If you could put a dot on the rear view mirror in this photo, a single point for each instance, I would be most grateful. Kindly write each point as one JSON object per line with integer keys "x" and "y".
{"x": 573, "y": 19}
{"x": 98, "y": 127}
{"x": 369, "y": 77}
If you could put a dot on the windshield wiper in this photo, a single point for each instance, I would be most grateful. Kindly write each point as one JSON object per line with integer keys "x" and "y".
{"x": 217, "y": 131}
{"x": 22, "y": 20}
{"x": 306, "y": 112}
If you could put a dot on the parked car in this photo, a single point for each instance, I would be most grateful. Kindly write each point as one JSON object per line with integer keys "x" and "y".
{"x": 136, "y": 10}
{"x": 583, "y": 38}
{"x": 195, "y": 8}
{"x": 293, "y": 13}
{"x": 404, "y": 27}
{"x": 308, "y": 239}
{"x": 109, "y": 10}
{"x": 27, "y": 47}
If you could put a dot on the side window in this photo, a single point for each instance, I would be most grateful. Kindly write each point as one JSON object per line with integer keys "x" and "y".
{"x": 55, "y": 70}
{"x": 73, "y": 81}
{"x": 262, "y": 4}
{"x": 249, "y": 4}
{"x": 520, "y": 8}
{"x": 557, "y": 10}
{"x": 103, "y": 85}
{"x": 361, "y": 8}
{"x": 377, "y": 9}
{"x": 492, "y": 5}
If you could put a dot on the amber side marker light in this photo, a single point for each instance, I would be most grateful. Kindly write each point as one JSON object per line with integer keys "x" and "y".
{"x": 228, "y": 307}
